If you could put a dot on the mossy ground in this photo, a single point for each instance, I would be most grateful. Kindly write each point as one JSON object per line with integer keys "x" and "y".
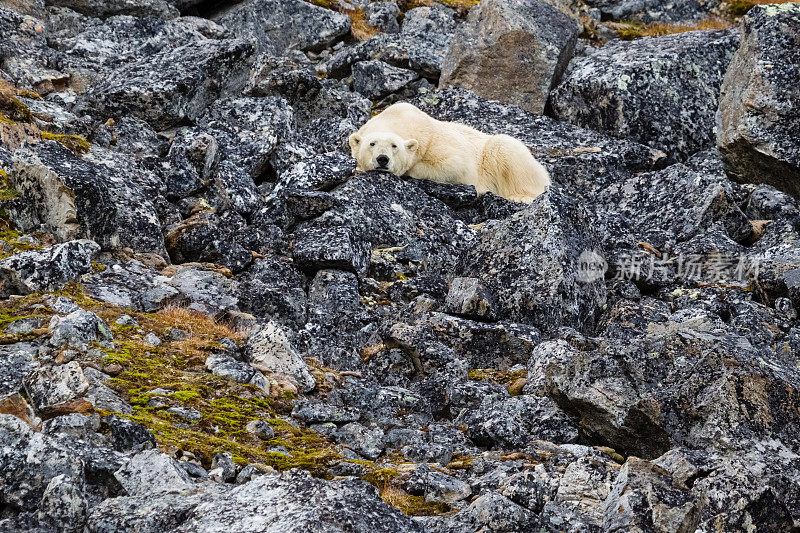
{"x": 225, "y": 407}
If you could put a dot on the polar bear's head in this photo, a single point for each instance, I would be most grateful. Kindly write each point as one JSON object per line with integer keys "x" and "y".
{"x": 383, "y": 151}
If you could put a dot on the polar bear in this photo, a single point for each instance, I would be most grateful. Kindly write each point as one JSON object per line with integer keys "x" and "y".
{"x": 406, "y": 141}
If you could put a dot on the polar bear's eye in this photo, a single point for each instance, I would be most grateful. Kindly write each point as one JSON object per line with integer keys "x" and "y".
{"x": 372, "y": 144}
{"x": 394, "y": 146}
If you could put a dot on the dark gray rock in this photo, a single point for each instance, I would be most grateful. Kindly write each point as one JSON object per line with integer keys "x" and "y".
{"x": 224, "y": 365}
{"x": 128, "y": 436}
{"x": 366, "y": 442}
{"x": 376, "y": 79}
{"x": 421, "y": 45}
{"x": 383, "y": 15}
{"x": 273, "y": 288}
{"x": 759, "y": 111}
{"x": 647, "y": 11}
{"x": 273, "y": 503}
{"x": 531, "y": 263}
{"x": 768, "y": 203}
{"x": 151, "y": 471}
{"x": 105, "y": 8}
{"x": 513, "y": 422}
{"x": 206, "y": 238}
{"x": 78, "y": 329}
{"x": 16, "y": 362}
{"x": 318, "y": 248}
{"x": 512, "y": 51}
{"x": 281, "y": 25}
{"x": 54, "y": 384}
{"x": 47, "y": 269}
{"x": 70, "y": 195}
{"x": 174, "y": 86}
{"x": 640, "y": 489}
{"x": 25, "y": 58}
{"x": 436, "y": 486}
{"x": 659, "y": 91}
{"x": 270, "y": 349}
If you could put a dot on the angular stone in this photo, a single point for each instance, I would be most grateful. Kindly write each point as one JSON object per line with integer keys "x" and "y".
{"x": 70, "y": 196}
{"x": 173, "y": 86}
{"x": 279, "y": 25}
{"x": 48, "y": 269}
{"x": 512, "y": 51}
{"x": 150, "y": 471}
{"x": 55, "y": 384}
{"x": 269, "y": 349}
{"x": 375, "y": 79}
{"x": 759, "y": 110}
{"x": 531, "y": 264}
{"x": 659, "y": 91}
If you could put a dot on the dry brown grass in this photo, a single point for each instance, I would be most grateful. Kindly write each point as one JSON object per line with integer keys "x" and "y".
{"x": 629, "y": 31}
{"x": 202, "y": 329}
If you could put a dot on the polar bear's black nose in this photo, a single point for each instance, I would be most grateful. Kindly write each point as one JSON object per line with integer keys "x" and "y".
{"x": 383, "y": 161}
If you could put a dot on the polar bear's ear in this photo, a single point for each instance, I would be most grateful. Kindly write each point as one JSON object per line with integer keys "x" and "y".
{"x": 412, "y": 145}
{"x": 355, "y": 140}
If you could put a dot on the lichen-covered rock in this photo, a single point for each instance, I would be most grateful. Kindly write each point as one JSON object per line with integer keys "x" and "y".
{"x": 204, "y": 238}
{"x": 173, "y": 86}
{"x": 280, "y": 503}
{"x": 151, "y": 471}
{"x": 659, "y": 91}
{"x": 647, "y": 11}
{"x": 512, "y": 422}
{"x": 436, "y": 486}
{"x": 421, "y": 44}
{"x": 269, "y": 349}
{"x": 64, "y": 505}
{"x": 532, "y": 264}
{"x": 25, "y": 57}
{"x": 645, "y": 496}
{"x": 47, "y": 269}
{"x": 90, "y": 48}
{"x": 279, "y": 25}
{"x": 273, "y": 288}
{"x": 759, "y": 110}
{"x": 512, "y": 51}
{"x": 318, "y": 248}
{"x": 105, "y": 8}
{"x": 70, "y": 195}
{"x": 366, "y": 442}
{"x": 376, "y": 79}
{"x": 78, "y": 329}
{"x": 54, "y": 384}
{"x": 383, "y": 15}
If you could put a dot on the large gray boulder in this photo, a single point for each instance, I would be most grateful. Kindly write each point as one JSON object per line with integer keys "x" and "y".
{"x": 280, "y": 25}
{"x": 47, "y": 269}
{"x": 759, "y": 106}
{"x": 659, "y": 91}
{"x": 174, "y": 86}
{"x": 109, "y": 8}
{"x": 513, "y": 51}
{"x": 535, "y": 264}
{"x": 108, "y": 200}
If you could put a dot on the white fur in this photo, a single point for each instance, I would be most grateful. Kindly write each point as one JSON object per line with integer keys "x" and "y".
{"x": 422, "y": 147}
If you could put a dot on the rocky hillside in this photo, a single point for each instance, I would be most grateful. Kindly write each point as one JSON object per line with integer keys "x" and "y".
{"x": 210, "y": 323}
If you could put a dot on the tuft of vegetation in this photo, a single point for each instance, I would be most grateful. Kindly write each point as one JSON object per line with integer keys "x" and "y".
{"x": 76, "y": 143}
{"x": 11, "y": 109}
{"x": 513, "y": 381}
{"x": 629, "y": 31}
